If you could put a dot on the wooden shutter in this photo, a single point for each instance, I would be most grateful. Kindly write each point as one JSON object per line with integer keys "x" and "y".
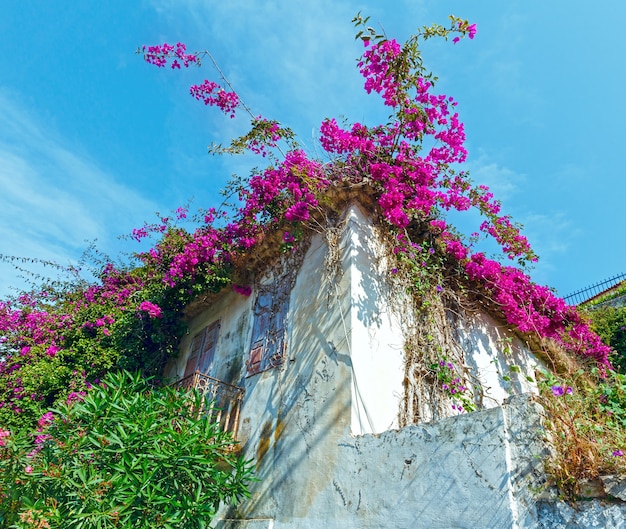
{"x": 276, "y": 335}
{"x": 208, "y": 348}
{"x": 260, "y": 328}
{"x": 194, "y": 353}
{"x": 267, "y": 345}
{"x": 202, "y": 350}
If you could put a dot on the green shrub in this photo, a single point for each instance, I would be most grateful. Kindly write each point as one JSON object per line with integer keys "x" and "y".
{"x": 125, "y": 456}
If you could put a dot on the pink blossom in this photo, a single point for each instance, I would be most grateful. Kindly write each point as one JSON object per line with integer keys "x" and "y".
{"x": 52, "y": 351}
{"x": 243, "y": 290}
{"x": 153, "y": 310}
{"x": 75, "y": 397}
{"x": 214, "y": 95}
{"x": 45, "y": 419}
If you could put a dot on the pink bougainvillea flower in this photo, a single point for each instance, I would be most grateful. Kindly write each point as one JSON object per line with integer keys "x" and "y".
{"x": 243, "y": 290}
{"x": 153, "y": 310}
{"x": 3, "y": 435}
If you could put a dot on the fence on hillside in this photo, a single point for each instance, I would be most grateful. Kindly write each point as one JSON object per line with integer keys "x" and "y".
{"x": 585, "y": 294}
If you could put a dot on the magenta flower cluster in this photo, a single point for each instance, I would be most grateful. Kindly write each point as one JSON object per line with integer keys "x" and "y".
{"x": 411, "y": 184}
{"x": 452, "y": 384}
{"x": 214, "y": 95}
{"x": 469, "y": 29}
{"x": 535, "y": 309}
{"x": 36, "y": 326}
{"x": 160, "y": 55}
{"x": 408, "y": 167}
{"x": 153, "y": 310}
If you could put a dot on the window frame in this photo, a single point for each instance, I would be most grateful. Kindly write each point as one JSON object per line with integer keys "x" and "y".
{"x": 268, "y": 341}
{"x": 204, "y": 345}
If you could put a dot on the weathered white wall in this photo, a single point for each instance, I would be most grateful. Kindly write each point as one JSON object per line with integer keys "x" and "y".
{"x": 375, "y": 340}
{"x": 498, "y": 360}
{"x": 234, "y": 312}
{"x": 321, "y": 427}
{"x": 471, "y": 471}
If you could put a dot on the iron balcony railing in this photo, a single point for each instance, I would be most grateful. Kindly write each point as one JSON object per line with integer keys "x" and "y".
{"x": 223, "y": 400}
{"x": 586, "y": 294}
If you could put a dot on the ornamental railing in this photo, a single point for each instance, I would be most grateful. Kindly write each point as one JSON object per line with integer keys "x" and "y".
{"x": 223, "y": 400}
{"x": 586, "y": 294}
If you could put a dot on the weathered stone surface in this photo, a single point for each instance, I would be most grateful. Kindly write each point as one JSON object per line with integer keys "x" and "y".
{"x": 594, "y": 514}
{"x": 615, "y": 486}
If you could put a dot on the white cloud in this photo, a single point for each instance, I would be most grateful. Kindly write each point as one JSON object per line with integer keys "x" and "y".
{"x": 53, "y": 200}
{"x": 503, "y": 181}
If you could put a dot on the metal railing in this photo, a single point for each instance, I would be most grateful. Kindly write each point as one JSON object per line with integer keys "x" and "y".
{"x": 223, "y": 400}
{"x": 580, "y": 296}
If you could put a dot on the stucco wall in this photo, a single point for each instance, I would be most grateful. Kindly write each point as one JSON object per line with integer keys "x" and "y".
{"x": 374, "y": 335}
{"x": 471, "y": 471}
{"x": 502, "y": 364}
{"x": 321, "y": 427}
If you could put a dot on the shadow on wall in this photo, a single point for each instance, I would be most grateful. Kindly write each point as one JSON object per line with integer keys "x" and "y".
{"x": 503, "y": 365}
{"x": 303, "y": 407}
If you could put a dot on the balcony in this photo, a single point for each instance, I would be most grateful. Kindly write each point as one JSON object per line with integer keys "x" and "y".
{"x": 225, "y": 398}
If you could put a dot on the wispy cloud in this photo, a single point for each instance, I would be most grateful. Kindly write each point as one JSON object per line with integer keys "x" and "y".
{"x": 287, "y": 59}
{"x": 53, "y": 199}
{"x": 503, "y": 181}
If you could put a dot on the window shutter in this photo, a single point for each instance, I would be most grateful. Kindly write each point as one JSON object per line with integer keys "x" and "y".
{"x": 256, "y": 359}
{"x": 268, "y": 331}
{"x": 202, "y": 350}
{"x": 194, "y": 351}
{"x": 260, "y": 328}
{"x": 208, "y": 348}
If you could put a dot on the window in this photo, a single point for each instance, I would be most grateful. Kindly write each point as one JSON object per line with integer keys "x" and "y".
{"x": 268, "y": 343}
{"x": 202, "y": 350}
{"x": 222, "y": 401}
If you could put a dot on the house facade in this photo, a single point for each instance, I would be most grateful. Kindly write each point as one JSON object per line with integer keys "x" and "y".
{"x": 310, "y": 374}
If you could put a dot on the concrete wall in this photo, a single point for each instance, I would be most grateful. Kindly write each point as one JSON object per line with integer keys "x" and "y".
{"x": 502, "y": 365}
{"x": 374, "y": 333}
{"x": 471, "y": 471}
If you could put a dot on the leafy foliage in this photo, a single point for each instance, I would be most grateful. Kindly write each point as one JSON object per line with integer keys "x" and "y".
{"x": 125, "y": 456}
{"x": 586, "y": 419}
{"x": 609, "y": 322}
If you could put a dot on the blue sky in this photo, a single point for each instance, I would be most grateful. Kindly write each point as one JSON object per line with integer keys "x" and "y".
{"x": 93, "y": 141}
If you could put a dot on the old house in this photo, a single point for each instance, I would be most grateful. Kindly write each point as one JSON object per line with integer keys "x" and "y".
{"x": 311, "y": 372}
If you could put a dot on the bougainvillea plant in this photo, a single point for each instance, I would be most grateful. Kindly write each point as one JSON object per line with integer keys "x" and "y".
{"x": 411, "y": 184}
{"x": 55, "y": 342}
